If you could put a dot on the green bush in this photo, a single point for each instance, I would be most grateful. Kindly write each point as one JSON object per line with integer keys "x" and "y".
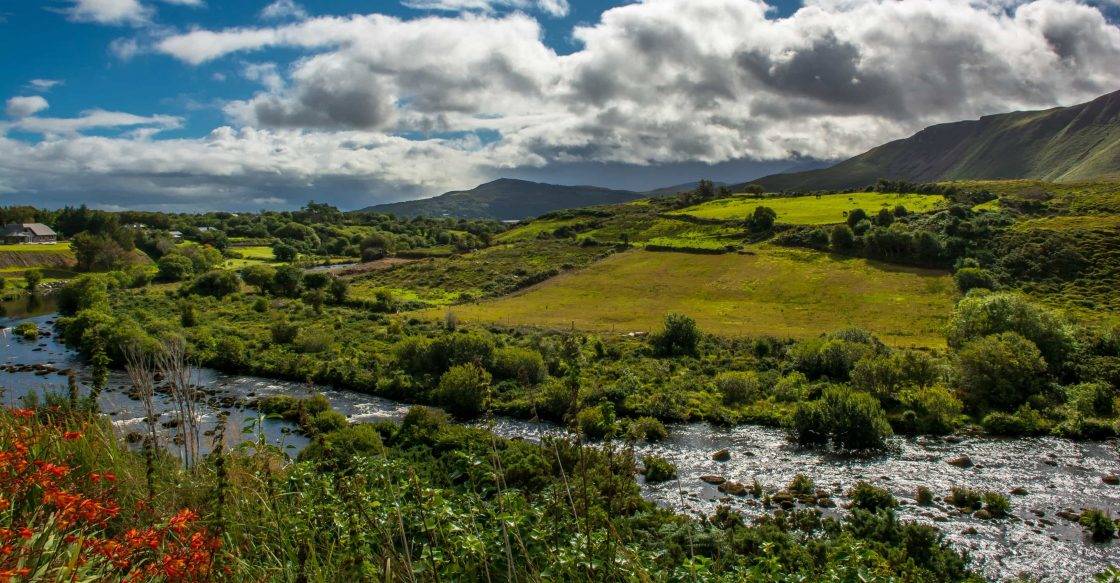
{"x": 996, "y": 504}
{"x": 259, "y": 276}
{"x": 87, "y": 291}
{"x": 1098, "y": 523}
{"x": 520, "y": 364}
{"x": 924, "y": 496}
{"x": 462, "y": 390}
{"x": 313, "y": 341}
{"x": 871, "y": 498}
{"x": 461, "y": 348}
{"x": 737, "y": 387}
{"x": 328, "y": 421}
{"x": 680, "y": 337}
{"x": 935, "y": 410}
{"x": 174, "y": 267}
{"x": 1000, "y": 371}
{"x": 287, "y": 281}
{"x": 842, "y": 237}
{"x": 982, "y": 314}
{"x": 965, "y": 498}
{"x": 283, "y": 332}
{"x": 847, "y": 419}
{"x": 969, "y": 278}
{"x": 32, "y": 278}
{"x": 596, "y": 422}
{"x": 828, "y": 357}
{"x": 1092, "y": 399}
{"x": 344, "y": 443}
{"x": 1024, "y": 422}
{"x": 791, "y": 388}
{"x": 802, "y": 485}
{"x": 27, "y": 330}
{"x": 647, "y": 429}
{"x": 217, "y": 283}
{"x": 658, "y": 469}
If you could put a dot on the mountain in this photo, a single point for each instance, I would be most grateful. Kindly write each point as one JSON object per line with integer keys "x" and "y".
{"x": 1080, "y": 142}
{"x": 506, "y": 199}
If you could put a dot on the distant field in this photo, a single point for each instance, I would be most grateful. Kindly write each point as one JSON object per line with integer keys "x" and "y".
{"x": 1069, "y": 197}
{"x": 251, "y": 255}
{"x": 811, "y": 210}
{"x": 26, "y": 256}
{"x": 533, "y": 229}
{"x": 777, "y": 291}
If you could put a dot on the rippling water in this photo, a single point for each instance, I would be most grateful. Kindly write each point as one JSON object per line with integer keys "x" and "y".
{"x": 1057, "y": 474}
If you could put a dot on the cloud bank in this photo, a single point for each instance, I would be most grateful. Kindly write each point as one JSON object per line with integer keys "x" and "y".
{"x": 380, "y": 108}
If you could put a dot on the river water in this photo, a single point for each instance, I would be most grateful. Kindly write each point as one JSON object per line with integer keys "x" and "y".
{"x": 1059, "y": 476}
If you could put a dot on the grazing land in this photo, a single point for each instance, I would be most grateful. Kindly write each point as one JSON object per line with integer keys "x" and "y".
{"x": 811, "y": 210}
{"x": 768, "y": 290}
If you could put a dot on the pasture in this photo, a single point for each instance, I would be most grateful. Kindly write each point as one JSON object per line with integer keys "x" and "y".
{"x": 765, "y": 290}
{"x": 811, "y": 210}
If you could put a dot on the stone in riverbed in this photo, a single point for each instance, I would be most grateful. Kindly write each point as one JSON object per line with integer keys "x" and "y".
{"x": 1018, "y": 491}
{"x": 722, "y": 455}
{"x": 1111, "y": 479}
{"x": 982, "y": 514}
{"x": 714, "y": 480}
{"x": 961, "y": 461}
{"x": 733, "y": 488}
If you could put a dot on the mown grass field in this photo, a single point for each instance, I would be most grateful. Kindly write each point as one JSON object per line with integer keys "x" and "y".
{"x": 251, "y": 255}
{"x": 811, "y": 210}
{"x": 1067, "y": 197}
{"x": 766, "y": 291}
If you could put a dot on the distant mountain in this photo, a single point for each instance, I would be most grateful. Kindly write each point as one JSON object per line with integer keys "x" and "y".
{"x": 1080, "y": 142}
{"x": 506, "y": 199}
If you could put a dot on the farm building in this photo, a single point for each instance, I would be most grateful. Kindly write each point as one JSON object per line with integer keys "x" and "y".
{"x": 28, "y": 233}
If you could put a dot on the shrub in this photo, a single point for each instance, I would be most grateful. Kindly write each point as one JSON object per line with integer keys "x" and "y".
{"x": 982, "y": 314}
{"x": 680, "y": 337}
{"x": 283, "y": 332}
{"x": 596, "y": 422}
{"x": 791, "y": 388}
{"x": 327, "y": 421}
{"x": 996, "y": 504}
{"x": 871, "y": 498}
{"x": 27, "y": 330}
{"x": 462, "y": 390}
{"x": 935, "y": 409}
{"x": 801, "y": 485}
{"x": 287, "y": 281}
{"x": 658, "y": 469}
{"x": 848, "y": 419}
{"x": 520, "y": 364}
{"x": 284, "y": 252}
{"x": 32, "y": 277}
{"x": 1024, "y": 422}
{"x": 259, "y": 276}
{"x": 855, "y": 216}
{"x": 969, "y": 278}
{"x": 1098, "y": 523}
{"x": 842, "y": 237}
{"x": 924, "y": 496}
{"x": 312, "y": 342}
{"x": 738, "y": 387}
{"x": 647, "y": 429}
{"x": 462, "y": 348}
{"x": 217, "y": 283}
{"x": 1000, "y": 371}
{"x": 345, "y": 443}
{"x": 413, "y": 354}
{"x": 1092, "y": 399}
{"x": 966, "y": 498}
{"x": 316, "y": 280}
{"x": 827, "y": 357}
{"x": 174, "y": 267}
{"x": 338, "y": 290}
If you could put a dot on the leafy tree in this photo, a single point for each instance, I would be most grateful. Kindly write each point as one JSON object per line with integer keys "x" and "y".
{"x": 1000, "y": 371}
{"x": 762, "y": 219}
{"x": 970, "y": 278}
{"x": 338, "y": 290}
{"x": 284, "y": 252}
{"x": 316, "y": 280}
{"x": 33, "y": 277}
{"x": 842, "y": 237}
{"x": 520, "y": 364}
{"x": 462, "y": 390}
{"x": 98, "y": 252}
{"x": 217, "y": 283}
{"x": 287, "y": 281}
{"x": 738, "y": 387}
{"x": 855, "y": 216}
{"x": 174, "y": 267}
{"x": 680, "y": 337}
{"x": 847, "y": 419}
{"x": 981, "y": 314}
{"x": 259, "y": 276}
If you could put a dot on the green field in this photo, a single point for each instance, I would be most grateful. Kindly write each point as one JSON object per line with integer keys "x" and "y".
{"x": 37, "y": 247}
{"x": 1078, "y": 198}
{"x": 251, "y": 255}
{"x": 766, "y": 290}
{"x": 811, "y": 210}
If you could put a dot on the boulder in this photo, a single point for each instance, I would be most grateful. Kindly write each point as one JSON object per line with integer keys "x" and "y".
{"x": 722, "y": 455}
{"x": 1111, "y": 479}
{"x": 714, "y": 480}
{"x": 962, "y": 461}
{"x": 733, "y": 488}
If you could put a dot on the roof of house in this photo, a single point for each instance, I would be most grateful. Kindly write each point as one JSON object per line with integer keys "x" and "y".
{"x": 37, "y": 229}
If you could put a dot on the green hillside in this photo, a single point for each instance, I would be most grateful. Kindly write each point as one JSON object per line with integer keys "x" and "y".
{"x": 1081, "y": 142}
{"x": 506, "y": 199}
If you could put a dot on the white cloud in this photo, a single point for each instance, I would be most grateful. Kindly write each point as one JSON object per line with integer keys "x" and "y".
{"x": 283, "y": 9}
{"x": 191, "y": 3}
{"x": 124, "y": 48}
{"x": 557, "y": 8}
{"x": 44, "y": 84}
{"x": 109, "y": 11}
{"x": 660, "y": 81}
{"x": 21, "y": 107}
{"x": 92, "y": 119}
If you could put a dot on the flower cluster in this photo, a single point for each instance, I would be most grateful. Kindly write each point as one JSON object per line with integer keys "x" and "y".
{"x": 50, "y": 512}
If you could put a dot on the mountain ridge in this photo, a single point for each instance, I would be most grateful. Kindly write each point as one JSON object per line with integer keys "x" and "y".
{"x": 1079, "y": 142}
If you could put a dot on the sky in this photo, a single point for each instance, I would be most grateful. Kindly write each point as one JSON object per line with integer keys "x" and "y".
{"x": 195, "y": 105}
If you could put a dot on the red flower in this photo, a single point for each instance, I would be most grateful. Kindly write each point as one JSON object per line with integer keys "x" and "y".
{"x": 72, "y": 435}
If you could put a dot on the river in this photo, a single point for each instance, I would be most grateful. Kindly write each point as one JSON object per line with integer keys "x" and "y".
{"x": 1057, "y": 474}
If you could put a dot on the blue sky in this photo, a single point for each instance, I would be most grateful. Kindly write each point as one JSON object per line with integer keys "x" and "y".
{"x": 198, "y": 104}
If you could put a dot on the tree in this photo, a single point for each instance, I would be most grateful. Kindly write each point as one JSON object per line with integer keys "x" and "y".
{"x": 855, "y": 216}
{"x": 969, "y": 278}
{"x": 982, "y": 313}
{"x": 32, "y": 277}
{"x": 287, "y": 281}
{"x": 97, "y": 252}
{"x": 763, "y": 218}
{"x": 1000, "y": 371}
{"x": 217, "y": 283}
{"x": 847, "y": 419}
{"x": 259, "y": 276}
{"x": 462, "y": 389}
{"x": 316, "y": 280}
{"x": 842, "y": 237}
{"x": 338, "y": 290}
{"x": 174, "y": 267}
{"x": 680, "y": 337}
{"x": 284, "y": 252}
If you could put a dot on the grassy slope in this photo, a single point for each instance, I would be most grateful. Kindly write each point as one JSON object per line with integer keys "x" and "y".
{"x": 1067, "y": 144}
{"x": 776, "y": 291}
{"x": 810, "y": 210}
